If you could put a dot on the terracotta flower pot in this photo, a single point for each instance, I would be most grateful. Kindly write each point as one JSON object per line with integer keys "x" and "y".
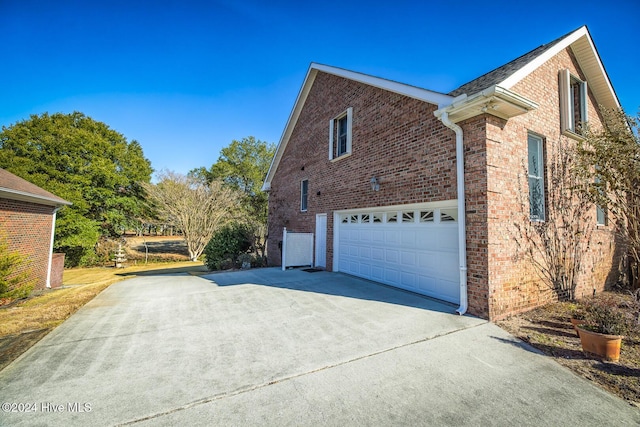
{"x": 605, "y": 346}
{"x": 576, "y": 323}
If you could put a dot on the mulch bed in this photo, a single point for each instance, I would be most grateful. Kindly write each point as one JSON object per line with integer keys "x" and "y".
{"x": 549, "y": 330}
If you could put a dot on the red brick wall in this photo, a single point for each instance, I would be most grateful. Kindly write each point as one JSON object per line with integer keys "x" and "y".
{"x": 398, "y": 140}
{"x": 27, "y": 227}
{"x": 57, "y": 270}
{"x": 395, "y": 138}
{"x": 514, "y": 285}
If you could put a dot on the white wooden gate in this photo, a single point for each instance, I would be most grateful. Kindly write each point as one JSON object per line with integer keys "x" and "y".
{"x": 297, "y": 249}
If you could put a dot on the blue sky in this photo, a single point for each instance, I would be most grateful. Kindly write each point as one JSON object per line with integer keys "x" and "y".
{"x": 185, "y": 78}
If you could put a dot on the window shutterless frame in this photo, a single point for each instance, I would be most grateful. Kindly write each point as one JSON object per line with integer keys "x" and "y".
{"x": 304, "y": 192}
{"x": 536, "y": 178}
{"x": 340, "y": 134}
{"x": 573, "y": 103}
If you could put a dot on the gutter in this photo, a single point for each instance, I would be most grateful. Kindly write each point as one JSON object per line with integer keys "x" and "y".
{"x": 443, "y": 116}
{"x": 53, "y": 230}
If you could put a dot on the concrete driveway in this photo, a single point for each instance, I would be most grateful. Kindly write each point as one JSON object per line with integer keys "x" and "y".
{"x": 267, "y": 347}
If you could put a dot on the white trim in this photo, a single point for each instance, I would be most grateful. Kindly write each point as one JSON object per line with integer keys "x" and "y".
{"x": 303, "y": 195}
{"x": 7, "y": 193}
{"x": 53, "y": 230}
{"x": 582, "y": 46}
{"x": 334, "y": 124}
{"x": 425, "y": 95}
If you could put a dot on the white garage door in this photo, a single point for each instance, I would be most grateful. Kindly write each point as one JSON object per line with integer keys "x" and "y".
{"x": 414, "y": 248}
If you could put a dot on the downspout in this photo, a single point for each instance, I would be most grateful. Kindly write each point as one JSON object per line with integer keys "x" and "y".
{"x": 462, "y": 227}
{"x": 53, "y": 230}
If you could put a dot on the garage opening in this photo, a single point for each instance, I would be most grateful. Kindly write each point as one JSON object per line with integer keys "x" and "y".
{"x": 413, "y": 247}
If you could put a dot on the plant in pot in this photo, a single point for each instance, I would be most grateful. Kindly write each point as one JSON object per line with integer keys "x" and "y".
{"x": 578, "y": 315}
{"x": 604, "y": 327}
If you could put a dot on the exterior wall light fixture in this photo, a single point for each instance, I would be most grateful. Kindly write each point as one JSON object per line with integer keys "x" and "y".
{"x": 375, "y": 184}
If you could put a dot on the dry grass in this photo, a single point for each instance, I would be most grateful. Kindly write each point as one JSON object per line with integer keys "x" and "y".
{"x": 25, "y": 322}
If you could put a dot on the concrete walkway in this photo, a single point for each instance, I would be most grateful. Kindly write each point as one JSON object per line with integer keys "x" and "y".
{"x": 267, "y": 347}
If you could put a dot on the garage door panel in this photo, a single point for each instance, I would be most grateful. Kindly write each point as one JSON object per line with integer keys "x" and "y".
{"x": 365, "y": 269}
{"x": 408, "y": 239}
{"x": 392, "y": 276}
{"x": 418, "y": 256}
{"x": 448, "y": 239}
{"x": 391, "y": 237}
{"x": 408, "y": 258}
{"x": 408, "y": 280}
{"x": 392, "y": 256}
{"x": 377, "y": 273}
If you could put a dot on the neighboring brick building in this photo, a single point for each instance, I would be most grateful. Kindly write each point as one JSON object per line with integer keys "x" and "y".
{"x": 371, "y": 166}
{"x": 27, "y": 220}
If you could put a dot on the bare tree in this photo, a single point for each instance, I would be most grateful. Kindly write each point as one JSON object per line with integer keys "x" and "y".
{"x": 198, "y": 209}
{"x": 556, "y": 246}
{"x": 610, "y": 160}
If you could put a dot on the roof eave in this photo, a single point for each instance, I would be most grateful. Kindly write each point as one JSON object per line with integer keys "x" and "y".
{"x": 495, "y": 100}
{"x": 7, "y": 193}
{"x": 587, "y": 56}
{"x": 425, "y": 95}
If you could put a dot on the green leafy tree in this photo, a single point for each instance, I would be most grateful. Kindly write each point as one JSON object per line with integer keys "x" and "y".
{"x": 243, "y": 166}
{"x": 610, "y": 162}
{"x": 86, "y": 163}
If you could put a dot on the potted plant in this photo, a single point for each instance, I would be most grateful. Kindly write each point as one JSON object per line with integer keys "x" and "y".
{"x": 603, "y": 330}
{"x": 578, "y": 314}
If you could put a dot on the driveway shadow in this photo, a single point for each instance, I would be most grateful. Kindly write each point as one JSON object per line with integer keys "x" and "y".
{"x": 329, "y": 283}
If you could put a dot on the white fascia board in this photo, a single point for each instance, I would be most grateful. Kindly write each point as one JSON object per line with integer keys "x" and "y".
{"x": 428, "y": 96}
{"x": 425, "y": 95}
{"x": 606, "y": 97}
{"x": 291, "y": 121}
{"x": 7, "y": 193}
{"x": 509, "y": 82}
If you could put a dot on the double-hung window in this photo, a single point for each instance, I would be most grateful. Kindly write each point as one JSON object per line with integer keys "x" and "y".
{"x": 340, "y": 134}
{"x": 536, "y": 178}
{"x": 304, "y": 192}
{"x": 573, "y": 103}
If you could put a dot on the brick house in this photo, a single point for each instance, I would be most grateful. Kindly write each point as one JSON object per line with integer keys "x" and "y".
{"x": 27, "y": 221}
{"x": 375, "y": 168}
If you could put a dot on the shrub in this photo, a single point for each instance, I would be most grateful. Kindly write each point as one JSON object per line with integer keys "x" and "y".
{"x": 604, "y": 316}
{"x": 13, "y": 283}
{"x": 225, "y": 247}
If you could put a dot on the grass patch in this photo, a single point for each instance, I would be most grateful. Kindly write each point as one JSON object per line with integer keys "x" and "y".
{"x": 24, "y": 323}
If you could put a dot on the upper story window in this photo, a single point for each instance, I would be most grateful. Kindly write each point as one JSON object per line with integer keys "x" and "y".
{"x": 304, "y": 192}
{"x": 340, "y": 135}
{"x": 536, "y": 178}
{"x": 573, "y": 103}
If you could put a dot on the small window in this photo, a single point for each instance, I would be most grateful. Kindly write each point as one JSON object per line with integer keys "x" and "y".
{"x": 377, "y": 217}
{"x": 601, "y": 212}
{"x": 407, "y": 216}
{"x": 353, "y": 219}
{"x": 447, "y": 215}
{"x": 392, "y": 217}
{"x": 340, "y": 134}
{"x": 426, "y": 216}
{"x": 304, "y": 191}
{"x": 365, "y": 218}
{"x": 536, "y": 178}
{"x": 345, "y": 219}
{"x": 573, "y": 103}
